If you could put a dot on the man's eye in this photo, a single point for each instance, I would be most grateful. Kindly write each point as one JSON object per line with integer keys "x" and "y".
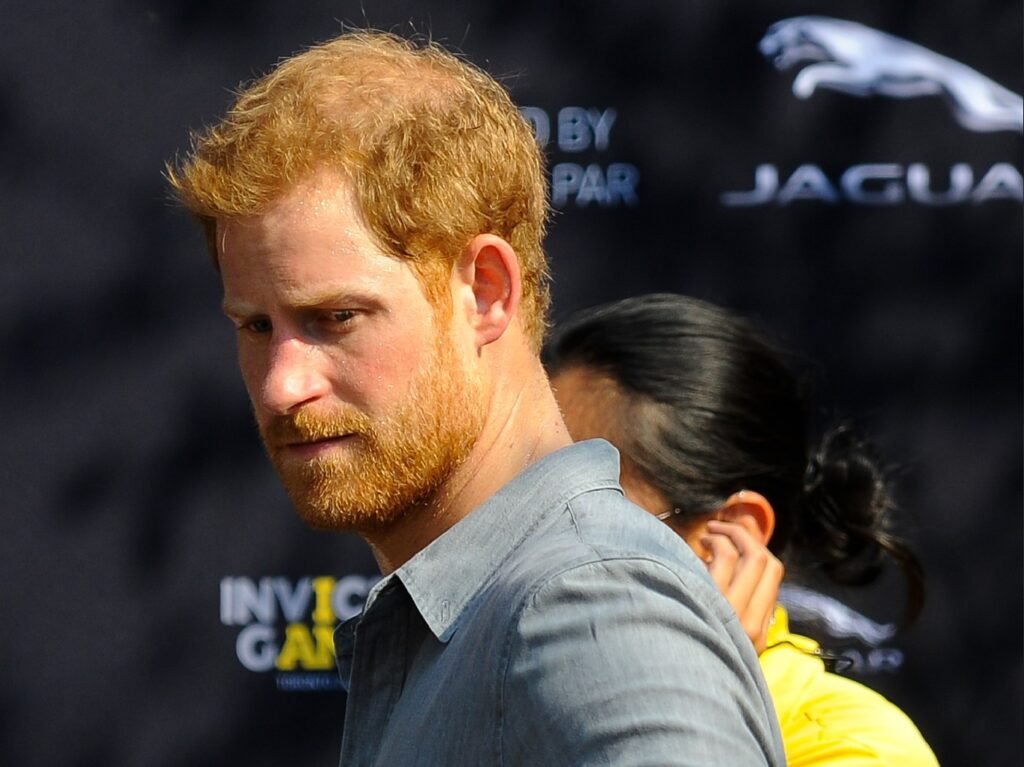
{"x": 340, "y": 317}
{"x": 260, "y": 325}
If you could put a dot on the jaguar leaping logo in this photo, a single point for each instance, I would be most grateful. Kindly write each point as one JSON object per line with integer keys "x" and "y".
{"x": 855, "y": 59}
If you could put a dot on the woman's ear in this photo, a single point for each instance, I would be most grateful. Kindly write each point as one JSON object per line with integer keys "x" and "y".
{"x": 488, "y": 273}
{"x": 752, "y": 511}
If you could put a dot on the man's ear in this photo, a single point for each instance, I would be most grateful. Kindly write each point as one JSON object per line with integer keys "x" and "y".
{"x": 752, "y": 511}
{"x": 488, "y": 273}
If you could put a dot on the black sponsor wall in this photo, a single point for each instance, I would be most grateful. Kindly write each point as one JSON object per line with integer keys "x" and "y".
{"x": 163, "y": 604}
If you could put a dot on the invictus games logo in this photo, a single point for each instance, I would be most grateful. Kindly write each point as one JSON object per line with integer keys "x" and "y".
{"x": 287, "y": 626}
{"x": 850, "y": 58}
{"x": 579, "y": 132}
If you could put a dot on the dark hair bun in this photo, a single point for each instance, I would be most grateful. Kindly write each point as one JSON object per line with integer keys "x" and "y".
{"x": 843, "y": 520}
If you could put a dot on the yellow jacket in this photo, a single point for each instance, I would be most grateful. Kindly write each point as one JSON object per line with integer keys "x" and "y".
{"x": 827, "y": 719}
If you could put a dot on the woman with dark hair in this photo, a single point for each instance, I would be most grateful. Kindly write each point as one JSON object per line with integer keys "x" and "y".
{"x": 712, "y": 429}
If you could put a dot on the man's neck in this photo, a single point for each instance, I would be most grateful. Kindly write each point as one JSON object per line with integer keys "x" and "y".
{"x": 523, "y": 426}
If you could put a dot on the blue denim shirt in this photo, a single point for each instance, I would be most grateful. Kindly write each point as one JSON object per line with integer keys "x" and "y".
{"x": 558, "y": 624}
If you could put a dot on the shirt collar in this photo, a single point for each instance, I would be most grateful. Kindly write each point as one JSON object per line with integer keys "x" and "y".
{"x": 445, "y": 576}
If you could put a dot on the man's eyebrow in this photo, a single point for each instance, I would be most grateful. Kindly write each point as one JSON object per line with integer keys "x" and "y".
{"x": 235, "y": 308}
{"x": 303, "y": 300}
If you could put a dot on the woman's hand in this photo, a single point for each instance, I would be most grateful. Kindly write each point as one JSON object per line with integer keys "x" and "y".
{"x": 747, "y": 573}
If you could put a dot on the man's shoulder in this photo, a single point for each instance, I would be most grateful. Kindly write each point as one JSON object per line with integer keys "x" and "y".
{"x": 596, "y": 534}
{"x": 592, "y": 606}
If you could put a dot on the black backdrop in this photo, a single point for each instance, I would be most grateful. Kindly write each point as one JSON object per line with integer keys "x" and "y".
{"x": 149, "y": 560}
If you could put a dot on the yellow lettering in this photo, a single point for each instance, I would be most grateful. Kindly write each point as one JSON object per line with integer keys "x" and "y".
{"x": 323, "y": 587}
{"x": 304, "y": 649}
{"x": 325, "y": 645}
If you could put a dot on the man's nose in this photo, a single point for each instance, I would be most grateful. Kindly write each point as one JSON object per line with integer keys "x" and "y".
{"x": 295, "y": 376}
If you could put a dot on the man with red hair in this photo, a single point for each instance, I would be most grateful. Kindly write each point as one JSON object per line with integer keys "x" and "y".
{"x": 376, "y": 210}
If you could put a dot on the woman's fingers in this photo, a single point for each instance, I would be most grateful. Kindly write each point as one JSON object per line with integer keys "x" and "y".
{"x": 747, "y": 573}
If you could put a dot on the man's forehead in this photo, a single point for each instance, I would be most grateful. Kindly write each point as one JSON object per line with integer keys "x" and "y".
{"x": 319, "y": 210}
{"x": 320, "y": 193}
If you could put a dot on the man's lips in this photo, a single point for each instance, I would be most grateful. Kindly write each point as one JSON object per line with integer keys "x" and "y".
{"x": 315, "y": 447}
